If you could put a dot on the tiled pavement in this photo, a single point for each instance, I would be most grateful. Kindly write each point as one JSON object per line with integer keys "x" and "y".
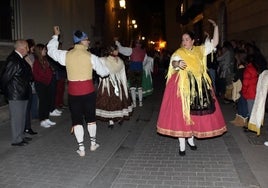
{"x": 132, "y": 156}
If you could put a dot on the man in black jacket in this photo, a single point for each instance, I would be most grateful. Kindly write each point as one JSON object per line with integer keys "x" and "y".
{"x": 15, "y": 82}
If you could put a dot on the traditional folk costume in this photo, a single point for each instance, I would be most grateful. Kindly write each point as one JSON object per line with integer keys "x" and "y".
{"x": 257, "y": 114}
{"x": 135, "y": 70}
{"x": 147, "y": 81}
{"x": 113, "y": 101}
{"x": 189, "y": 106}
{"x": 81, "y": 91}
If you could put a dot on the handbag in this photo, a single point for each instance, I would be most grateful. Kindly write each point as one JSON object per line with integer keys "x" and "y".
{"x": 228, "y": 92}
{"x": 237, "y": 86}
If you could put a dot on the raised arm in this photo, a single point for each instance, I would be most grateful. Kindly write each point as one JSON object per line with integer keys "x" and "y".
{"x": 210, "y": 45}
{"x": 99, "y": 66}
{"x": 52, "y": 48}
{"x": 127, "y": 51}
{"x": 215, "y": 38}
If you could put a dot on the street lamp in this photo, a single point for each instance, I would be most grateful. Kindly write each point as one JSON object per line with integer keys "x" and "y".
{"x": 134, "y": 24}
{"x": 122, "y": 4}
{"x": 132, "y": 27}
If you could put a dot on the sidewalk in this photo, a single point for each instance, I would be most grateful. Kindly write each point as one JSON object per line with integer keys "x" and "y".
{"x": 132, "y": 155}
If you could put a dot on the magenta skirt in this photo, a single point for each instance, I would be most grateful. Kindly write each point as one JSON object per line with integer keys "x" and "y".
{"x": 171, "y": 122}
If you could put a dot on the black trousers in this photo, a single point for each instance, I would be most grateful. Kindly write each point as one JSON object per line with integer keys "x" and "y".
{"x": 44, "y": 93}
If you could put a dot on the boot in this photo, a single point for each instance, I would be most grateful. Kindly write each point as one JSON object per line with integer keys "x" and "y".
{"x": 245, "y": 121}
{"x": 235, "y": 119}
{"x": 140, "y": 96}
{"x": 133, "y": 96}
{"x": 240, "y": 122}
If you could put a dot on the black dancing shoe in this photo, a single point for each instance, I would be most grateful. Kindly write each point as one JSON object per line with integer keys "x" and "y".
{"x": 120, "y": 122}
{"x": 182, "y": 153}
{"x": 194, "y": 147}
{"x": 111, "y": 124}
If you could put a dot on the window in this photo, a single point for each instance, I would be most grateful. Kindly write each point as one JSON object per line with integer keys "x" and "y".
{"x": 5, "y": 20}
{"x": 10, "y": 20}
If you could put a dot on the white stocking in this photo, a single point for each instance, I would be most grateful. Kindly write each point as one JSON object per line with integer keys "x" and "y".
{"x": 79, "y": 135}
{"x": 133, "y": 95}
{"x": 182, "y": 144}
{"x": 92, "y": 129}
{"x": 191, "y": 140}
{"x": 140, "y": 93}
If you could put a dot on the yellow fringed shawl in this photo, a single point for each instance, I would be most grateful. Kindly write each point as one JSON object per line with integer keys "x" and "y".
{"x": 196, "y": 69}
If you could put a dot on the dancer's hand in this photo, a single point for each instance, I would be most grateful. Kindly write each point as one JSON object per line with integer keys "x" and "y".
{"x": 179, "y": 64}
{"x": 182, "y": 64}
{"x": 56, "y": 30}
{"x": 212, "y": 22}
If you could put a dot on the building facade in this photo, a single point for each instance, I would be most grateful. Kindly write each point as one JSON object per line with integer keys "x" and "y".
{"x": 35, "y": 19}
{"x": 238, "y": 20}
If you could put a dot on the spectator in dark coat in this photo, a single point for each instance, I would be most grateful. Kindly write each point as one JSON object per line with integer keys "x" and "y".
{"x": 15, "y": 81}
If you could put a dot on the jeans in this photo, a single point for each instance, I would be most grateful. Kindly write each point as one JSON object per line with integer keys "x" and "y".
{"x": 242, "y": 107}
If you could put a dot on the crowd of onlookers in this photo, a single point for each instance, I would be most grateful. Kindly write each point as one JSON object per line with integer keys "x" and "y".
{"x": 235, "y": 68}
{"x": 33, "y": 83}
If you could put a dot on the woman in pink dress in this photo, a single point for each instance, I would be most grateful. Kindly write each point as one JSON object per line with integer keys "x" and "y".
{"x": 189, "y": 107}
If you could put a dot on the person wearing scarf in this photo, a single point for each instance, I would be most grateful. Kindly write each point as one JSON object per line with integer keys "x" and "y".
{"x": 113, "y": 101}
{"x": 189, "y": 107}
